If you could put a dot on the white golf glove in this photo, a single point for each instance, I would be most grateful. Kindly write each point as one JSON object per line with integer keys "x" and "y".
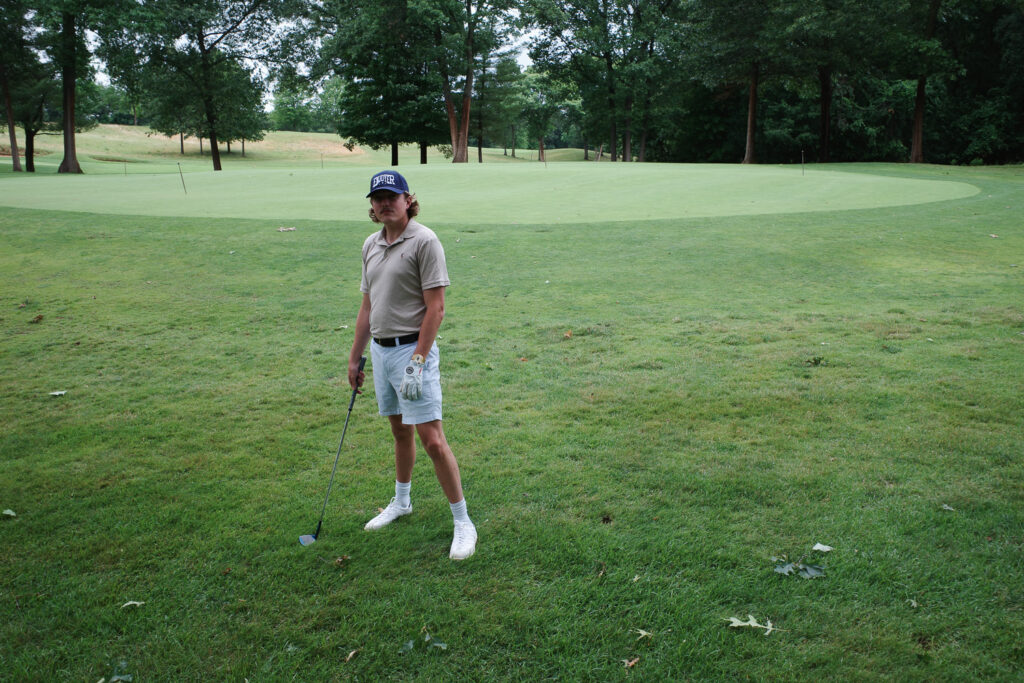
{"x": 412, "y": 381}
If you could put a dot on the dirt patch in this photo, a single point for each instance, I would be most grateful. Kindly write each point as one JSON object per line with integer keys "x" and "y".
{"x": 115, "y": 159}
{"x": 326, "y": 147}
{"x": 5, "y": 151}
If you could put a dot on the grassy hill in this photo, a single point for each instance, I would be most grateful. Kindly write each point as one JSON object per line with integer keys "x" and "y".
{"x": 108, "y": 148}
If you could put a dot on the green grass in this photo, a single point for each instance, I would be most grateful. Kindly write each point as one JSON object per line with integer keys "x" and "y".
{"x": 734, "y": 387}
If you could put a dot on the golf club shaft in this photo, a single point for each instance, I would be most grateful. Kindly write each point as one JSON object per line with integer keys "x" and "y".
{"x": 362, "y": 363}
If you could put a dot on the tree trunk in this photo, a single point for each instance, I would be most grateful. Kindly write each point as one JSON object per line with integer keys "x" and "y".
{"x": 755, "y": 76}
{"x": 229, "y": 146}
{"x": 200, "y": 145}
{"x": 181, "y": 141}
{"x": 627, "y": 129}
{"x": 513, "y": 142}
{"x": 643, "y": 129}
{"x": 586, "y": 150}
{"x": 423, "y": 153}
{"x": 600, "y": 151}
{"x": 243, "y": 147}
{"x": 214, "y": 149}
{"x": 825, "y": 135}
{"x": 9, "y": 113}
{"x": 394, "y": 153}
{"x": 540, "y": 149}
{"x": 69, "y": 74}
{"x": 30, "y": 150}
{"x": 207, "y": 98}
{"x": 612, "y": 132}
{"x": 917, "y": 136}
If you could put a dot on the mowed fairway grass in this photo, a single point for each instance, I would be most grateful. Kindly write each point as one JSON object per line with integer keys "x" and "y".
{"x": 650, "y": 399}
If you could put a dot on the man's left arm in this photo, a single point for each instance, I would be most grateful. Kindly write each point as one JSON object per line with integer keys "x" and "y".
{"x": 434, "y": 300}
{"x": 412, "y": 381}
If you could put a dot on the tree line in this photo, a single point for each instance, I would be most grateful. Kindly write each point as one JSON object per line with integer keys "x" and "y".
{"x": 626, "y": 80}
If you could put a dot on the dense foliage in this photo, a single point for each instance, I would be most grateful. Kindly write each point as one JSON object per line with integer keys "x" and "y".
{"x": 665, "y": 80}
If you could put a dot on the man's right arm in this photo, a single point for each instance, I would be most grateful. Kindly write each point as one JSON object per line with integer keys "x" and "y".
{"x": 359, "y": 342}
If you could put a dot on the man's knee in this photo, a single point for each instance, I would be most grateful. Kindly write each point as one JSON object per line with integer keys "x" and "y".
{"x": 401, "y": 432}
{"x": 432, "y": 437}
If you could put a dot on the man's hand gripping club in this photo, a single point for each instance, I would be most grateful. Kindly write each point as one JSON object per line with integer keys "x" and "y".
{"x": 412, "y": 380}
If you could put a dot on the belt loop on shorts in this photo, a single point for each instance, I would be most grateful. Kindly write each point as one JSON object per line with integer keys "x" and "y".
{"x": 398, "y": 341}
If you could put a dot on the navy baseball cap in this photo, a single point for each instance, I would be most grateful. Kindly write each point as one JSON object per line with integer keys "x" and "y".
{"x": 388, "y": 180}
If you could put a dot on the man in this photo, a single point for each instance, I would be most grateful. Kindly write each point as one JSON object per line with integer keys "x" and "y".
{"x": 403, "y": 283}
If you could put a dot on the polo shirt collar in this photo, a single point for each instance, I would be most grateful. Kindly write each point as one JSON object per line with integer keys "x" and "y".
{"x": 412, "y": 229}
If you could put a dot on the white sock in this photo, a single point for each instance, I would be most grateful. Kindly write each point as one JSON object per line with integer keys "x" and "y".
{"x": 402, "y": 493}
{"x": 459, "y": 511}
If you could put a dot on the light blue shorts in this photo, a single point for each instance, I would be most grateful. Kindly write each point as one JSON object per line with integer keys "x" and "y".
{"x": 388, "y": 370}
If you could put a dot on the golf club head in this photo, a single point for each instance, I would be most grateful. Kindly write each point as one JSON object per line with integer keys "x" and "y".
{"x": 307, "y": 539}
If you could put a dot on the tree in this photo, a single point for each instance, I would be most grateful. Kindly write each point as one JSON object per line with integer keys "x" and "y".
{"x": 831, "y": 38}
{"x": 383, "y": 51}
{"x": 541, "y": 108}
{"x": 15, "y": 56}
{"x": 739, "y": 41}
{"x": 292, "y": 109}
{"x": 501, "y": 102}
{"x": 240, "y": 105}
{"x": 463, "y": 32}
{"x": 198, "y": 40}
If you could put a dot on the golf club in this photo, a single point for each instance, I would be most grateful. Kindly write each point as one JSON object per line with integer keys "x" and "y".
{"x": 309, "y": 539}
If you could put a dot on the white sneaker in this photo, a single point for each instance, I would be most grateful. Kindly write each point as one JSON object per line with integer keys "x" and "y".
{"x": 389, "y": 514}
{"x": 464, "y": 543}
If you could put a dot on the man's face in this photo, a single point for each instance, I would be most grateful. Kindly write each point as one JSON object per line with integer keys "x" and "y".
{"x": 389, "y": 206}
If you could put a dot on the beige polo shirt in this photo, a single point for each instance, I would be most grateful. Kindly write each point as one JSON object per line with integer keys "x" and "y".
{"x": 395, "y": 275}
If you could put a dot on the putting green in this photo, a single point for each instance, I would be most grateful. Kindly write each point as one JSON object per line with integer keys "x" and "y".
{"x": 495, "y": 193}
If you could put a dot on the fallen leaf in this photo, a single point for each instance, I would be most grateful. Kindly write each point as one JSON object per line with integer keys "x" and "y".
{"x": 407, "y": 648}
{"x": 57, "y": 393}
{"x": 352, "y": 654}
{"x": 643, "y": 633}
{"x": 822, "y": 548}
{"x": 37, "y": 319}
{"x": 630, "y": 663}
{"x": 636, "y": 578}
{"x": 946, "y": 507}
{"x": 524, "y": 359}
{"x": 226, "y": 572}
{"x": 994, "y": 236}
{"x": 132, "y": 603}
{"x": 913, "y": 603}
{"x": 10, "y": 513}
{"x": 286, "y": 229}
{"x": 811, "y": 571}
{"x": 568, "y": 335}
